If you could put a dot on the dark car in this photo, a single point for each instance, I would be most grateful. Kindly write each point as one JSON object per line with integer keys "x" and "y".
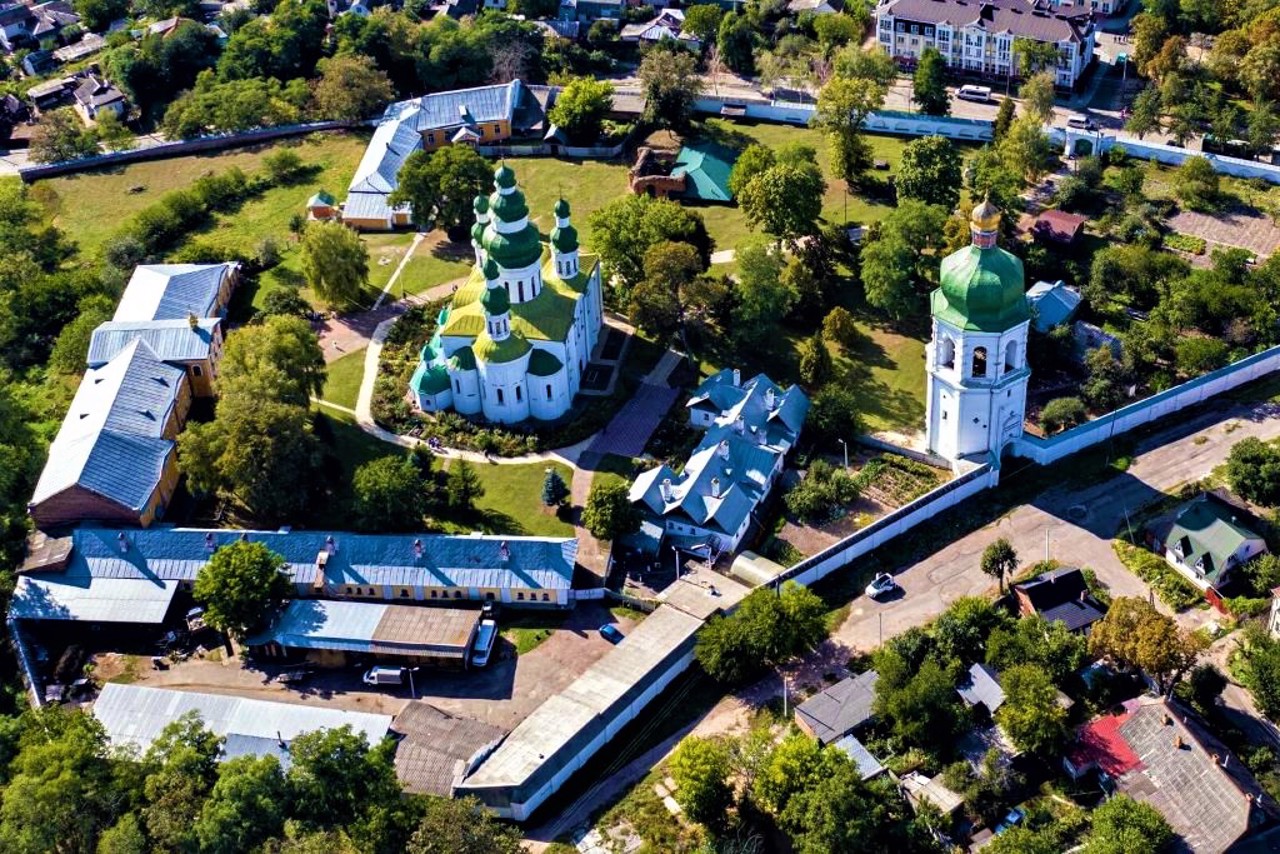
{"x": 611, "y": 633}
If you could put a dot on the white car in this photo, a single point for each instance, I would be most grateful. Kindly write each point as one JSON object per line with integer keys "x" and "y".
{"x": 883, "y": 583}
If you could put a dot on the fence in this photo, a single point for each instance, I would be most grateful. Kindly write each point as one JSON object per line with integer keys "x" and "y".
{"x": 900, "y": 521}
{"x": 175, "y": 149}
{"x": 928, "y": 459}
{"x": 1170, "y": 155}
{"x": 1054, "y": 448}
{"x": 555, "y": 149}
{"x": 883, "y": 121}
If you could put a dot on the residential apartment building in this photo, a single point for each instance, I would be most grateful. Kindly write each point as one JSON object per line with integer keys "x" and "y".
{"x": 978, "y": 38}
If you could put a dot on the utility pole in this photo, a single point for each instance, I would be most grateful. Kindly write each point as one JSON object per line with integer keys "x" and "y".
{"x": 1046, "y": 545}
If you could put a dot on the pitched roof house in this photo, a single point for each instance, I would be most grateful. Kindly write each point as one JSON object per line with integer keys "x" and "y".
{"x": 667, "y": 24}
{"x": 195, "y": 346}
{"x": 1209, "y": 538}
{"x": 177, "y": 291}
{"x": 1157, "y": 751}
{"x": 1060, "y": 596}
{"x": 981, "y": 687}
{"x": 839, "y": 709}
{"x": 1052, "y": 304}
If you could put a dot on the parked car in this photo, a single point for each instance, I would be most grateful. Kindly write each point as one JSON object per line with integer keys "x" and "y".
{"x": 611, "y": 633}
{"x": 485, "y": 639}
{"x": 880, "y": 585}
{"x": 379, "y": 676}
{"x": 1013, "y": 819}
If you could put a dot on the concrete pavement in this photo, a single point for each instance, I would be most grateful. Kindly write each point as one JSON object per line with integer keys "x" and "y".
{"x": 1078, "y": 525}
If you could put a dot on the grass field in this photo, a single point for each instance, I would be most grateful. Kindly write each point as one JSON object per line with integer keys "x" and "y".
{"x": 343, "y": 384}
{"x": 435, "y": 262}
{"x": 512, "y": 501}
{"x": 385, "y": 253}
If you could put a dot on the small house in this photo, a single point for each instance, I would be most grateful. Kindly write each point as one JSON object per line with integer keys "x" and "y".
{"x": 94, "y": 97}
{"x": 1209, "y": 539}
{"x": 839, "y": 709}
{"x": 51, "y": 93}
{"x": 1060, "y": 596}
{"x": 1059, "y": 226}
{"x": 41, "y": 62}
{"x": 666, "y": 25}
{"x": 322, "y": 206}
{"x": 815, "y": 7}
{"x": 1052, "y": 304}
{"x": 919, "y": 788}
{"x": 981, "y": 687}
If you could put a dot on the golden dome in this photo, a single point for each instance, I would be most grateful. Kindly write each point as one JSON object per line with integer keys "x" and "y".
{"x": 986, "y": 216}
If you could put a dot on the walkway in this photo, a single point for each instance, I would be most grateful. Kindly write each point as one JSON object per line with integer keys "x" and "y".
{"x": 630, "y": 429}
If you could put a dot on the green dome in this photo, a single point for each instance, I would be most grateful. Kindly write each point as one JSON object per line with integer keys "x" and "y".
{"x": 429, "y": 381}
{"x": 477, "y": 232}
{"x": 561, "y": 209}
{"x": 564, "y": 239}
{"x": 463, "y": 359}
{"x": 480, "y": 205}
{"x": 504, "y": 176}
{"x": 496, "y": 301}
{"x": 515, "y": 250}
{"x": 510, "y": 207}
{"x": 490, "y": 270}
{"x": 981, "y": 290}
{"x": 496, "y": 352}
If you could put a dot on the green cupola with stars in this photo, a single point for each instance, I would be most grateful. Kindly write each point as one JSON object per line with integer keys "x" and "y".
{"x": 981, "y": 287}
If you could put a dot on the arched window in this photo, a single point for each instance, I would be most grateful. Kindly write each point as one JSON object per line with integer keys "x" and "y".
{"x": 946, "y": 352}
{"x": 1011, "y": 356}
{"x": 980, "y": 361}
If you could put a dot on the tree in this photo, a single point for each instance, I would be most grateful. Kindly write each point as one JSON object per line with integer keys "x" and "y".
{"x": 1031, "y": 714}
{"x": 335, "y": 262}
{"x": 279, "y": 361}
{"x": 658, "y": 304}
{"x": 336, "y": 779}
{"x": 181, "y": 765}
{"x": 389, "y": 495}
{"x": 554, "y": 490}
{"x": 896, "y": 261}
{"x": 97, "y": 15}
{"x": 840, "y": 327}
{"x": 285, "y": 301}
{"x": 785, "y": 199}
{"x": 1000, "y": 561}
{"x": 113, "y": 133}
{"x": 581, "y": 108}
{"x": 1004, "y": 118}
{"x": 1034, "y": 57}
{"x": 1253, "y": 470}
{"x": 1196, "y": 184}
{"x": 763, "y": 297}
{"x": 700, "y": 768}
{"x": 1062, "y": 412}
{"x": 124, "y": 837}
{"x": 67, "y": 356}
{"x": 626, "y": 228}
{"x": 241, "y": 586}
{"x": 609, "y": 513}
{"x": 1121, "y": 825}
{"x": 60, "y": 136}
{"x": 245, "y": 808}
{"x": 815, "y": 361}
{"x": 961, "y": 631}
{"x": 671, "y": 85}
{"x": 439, "y": 186}
{"x": 1025, "y": 149}
{"x": 835, "y": 31}
{"x": 1050, "y": 646}
{"x": 736, "y": 41}
{"x": 350, "y": 88}
{"x": 1135, "y": 634}
{"x": 930, "y": 172}
{"x": 462, "y": 826}
{"x": 841, "y": 812}
{"x": 929, "y": 85}
{"x": 1196, "y": 355}
{"x": 754, "y": 160}
{"x": 843, "y": 106}
{"x": 921, "y": 707}
{"x": 702, "y": 21}
{"x": 1037, "y": 96}
{"x": 768, "y": 628}
{"x": 463, "y": 486}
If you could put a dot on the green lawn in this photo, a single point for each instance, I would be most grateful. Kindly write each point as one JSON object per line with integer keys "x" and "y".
{"x": 385, "y": 254}
{"x": 512, "y": 501}
{"x": 343, "y": 383}
{"x": 435, "y": 262}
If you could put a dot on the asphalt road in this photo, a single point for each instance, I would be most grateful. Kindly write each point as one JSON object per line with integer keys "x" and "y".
{"x": 1078, "y": 526}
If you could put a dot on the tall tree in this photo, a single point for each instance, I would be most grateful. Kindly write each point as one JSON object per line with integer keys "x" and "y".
{"x": 609, "y": 513}
{"x": 60, "y": 136}
{"x": 931, "y": 172}
{"x": 666, "y": 299}
{"x": 463, "y": 486}
{"x": 247, "y": 806}
{"x": 462, "y": 826}
{"x": 623, "y": 230}
{"x": 1134, "y": 633}
{"x": 929, "y": 85}
{"x": 1025, "y": 149}
{"x": 700, "y": 767}
{"x": 843, "y": 106}
{"x": 895, "y": 261}
{"x": 389, "y": 495}
{"x": 581, "y": 108}
{"x": 703, "y": 21}
{"x": 350, "y": 88}
{"x": 671, "y": 85}
{"x": 1000, "y": 561}
{"x": 1037, "y": 96}
{"x": 763, "y": 296}
{"x": 1004, "y": 118}
{"x": 785, "y": 199}
{"x": 439, "y": 186}
{"x": 240, "y": 587}
{"x": 1121, "y": 825}
{"x": 736, "y": 41}
{"x": 1031, "y": 714}
{"x": 182, "y": 764}
{"x": 337, "y": 779}
{"x": 279, "y": 361}
{"x": 335, "y": 263}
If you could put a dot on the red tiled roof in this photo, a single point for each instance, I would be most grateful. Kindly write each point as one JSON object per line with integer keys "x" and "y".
{"x": 1060, "y": 225}
{"x": 1100, "y": 742}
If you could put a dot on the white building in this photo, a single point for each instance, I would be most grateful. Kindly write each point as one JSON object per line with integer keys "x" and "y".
{"x": 977, "y": 36}
{"x": 977, "y": 360}
{"x": 515, "y": 340}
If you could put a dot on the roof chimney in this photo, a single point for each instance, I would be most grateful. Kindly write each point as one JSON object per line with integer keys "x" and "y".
{"x": 417, "y": 548}
{"x": 123, "y": 542}
{"x": 666, "y": 489}
{"x": 737, "y": 377}
{"x": 723, "y": 449}
{"x": 715, "y": 487}
{"x": 739, "y": 425}
{"x": 770, "y": 399}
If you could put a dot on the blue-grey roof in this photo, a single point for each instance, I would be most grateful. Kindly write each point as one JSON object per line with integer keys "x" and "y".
{"x": 838, "y": 709}
{"x": 111, "y": 441}
{"x": 394, "y": 139}
{"x": 96, "y": 600}
{"x": 172, "y": 291}
{"x": 868, "y": 765}
{"x": 445, "y": 561}
{"x": 1075, "y": 615}
{"x": 750, "y": 401}
{"x": 468, "y": 106}
{"x": 982, "y": 685}
{"x": 171, "y": 340}
{"x": 369, "y": 205}
{"x": 377, "y": 628}
{"x": 1052, "y": 303}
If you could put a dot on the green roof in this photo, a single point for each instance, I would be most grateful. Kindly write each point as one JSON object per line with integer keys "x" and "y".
{"x": 546, "y": 317}
{"x": 981, "y": 290}
{"x": 480, "y": 205}
{"x": 1207, "y": 533}
{"x": 561, "y": 209}
{"x": 504, "y": 176}
{"x": 491, "y": 270}
{"x": 564, "y": 239}
{"x": 496, "y": 301}
{"x": 320, "y": 198}
{"x": 512, "y": 251}
{"x": 544, "y": 364}
{"x": 429, "y": 380}
{"x": 509, "y": 207}
{"x": 706, "y": 166}
{"x": 463, "y": 359}
{"x": 496, "y": 352}
{"x": 477, "y": 231}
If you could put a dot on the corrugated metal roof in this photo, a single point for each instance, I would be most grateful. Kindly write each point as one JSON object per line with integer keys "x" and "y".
{"x": 982, "y": 685}
{"x": 135, "y": 715}
{"x": 373, "y": 627}
{"x": 841, "y": 708}
{"x": 468, "y": 106}
{"x": 443, "y": 561}
{"x": 172, "y": 291}
{"x": 111, "y": 439}
{"x": 99, "y": 600}
{"x": 868, "y": 765}
{"x": 367, "y": 205}
{"x": 170, "y": 340}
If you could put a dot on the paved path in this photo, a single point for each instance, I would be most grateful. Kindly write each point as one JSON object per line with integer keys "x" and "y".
{"x": 1079, "y": 525}
{"x": 629, "y": 430}
{"x": 404, "y": 260}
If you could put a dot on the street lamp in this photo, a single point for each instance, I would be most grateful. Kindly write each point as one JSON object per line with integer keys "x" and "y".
{"x": 413, "y": 691}
{"x": 845, "y": 445}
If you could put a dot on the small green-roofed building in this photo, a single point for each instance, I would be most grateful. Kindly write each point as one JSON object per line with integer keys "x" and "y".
{"x": 705, "y": 166}
{"x": 1210, "y": 538}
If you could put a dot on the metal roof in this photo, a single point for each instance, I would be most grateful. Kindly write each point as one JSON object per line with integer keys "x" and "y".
{"x": 172, "y": 291}
{"x": 436, "y": 747}
{"x": 706, "y": 166}
{"x": 868, "y": 765}
{"x": 97, "y": 600}
{"x": 982, "y": 685}
{"x": 170, "y": 340}
{"x": 369, "y": 205}
{"x": 136, "y": 715}
{"x": 838, "y": 709}
{"x": 111, "y": 440}
{"x": 373, "y": 627}
{"x": 1052, "y": 304}
{"x": 432, "y": 561}
{"x": 1208, "y": 530}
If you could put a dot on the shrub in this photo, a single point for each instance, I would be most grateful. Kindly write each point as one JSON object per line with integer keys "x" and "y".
{"x": 1172, "y": 588}
{"x": 1196, "y": 184}
{"x": 823, "y": 492}
{"x": 1061, "y": 413}
{"x": 1184, "y": 243}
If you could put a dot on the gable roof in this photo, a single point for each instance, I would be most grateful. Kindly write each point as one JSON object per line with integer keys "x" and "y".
{"x": 982, "y": 686}
{"x": 172, "y": 291}
{"x": 170, "y": 340}
{"x": 111, "y": 440}
{"x": 1059, "y": 226}
{"x": 839, "y": 709}
{"x": 1033, "y": 19}
{"x": 1062, "y": 596}
{"x": 868, "y": 765}
{"x": 1208, "y": 531}
{"x": 1052, "y": 304}
{"x": 373, "y": 628}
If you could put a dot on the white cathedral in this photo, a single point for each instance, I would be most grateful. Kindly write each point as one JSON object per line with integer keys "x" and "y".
{"x": 515, "y": 339}
{"x": 977, "y": 360}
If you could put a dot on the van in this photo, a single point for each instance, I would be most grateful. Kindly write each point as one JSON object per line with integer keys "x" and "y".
{"x": 1081, "y": 123}
{"x": 981, "y": 94}
{"x": 485, "y": 639}
{"x": 384, "y": 676}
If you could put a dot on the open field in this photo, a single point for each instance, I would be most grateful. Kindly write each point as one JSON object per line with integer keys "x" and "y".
{"x": 512, "y": 501}
{"x": 343, "y": 384}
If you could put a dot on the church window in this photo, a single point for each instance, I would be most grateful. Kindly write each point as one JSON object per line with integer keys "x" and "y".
{"x": 1011, "y": 356}
{"x": 457, "y": 386}
{"x": 500, "y": 401}
{"x": 980, "y": 362}
{"x": 947, "y": 352}
{"x": 519, "y": 394}
{"x": 520, "y": 287}
{"x": 548, "y": 391}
